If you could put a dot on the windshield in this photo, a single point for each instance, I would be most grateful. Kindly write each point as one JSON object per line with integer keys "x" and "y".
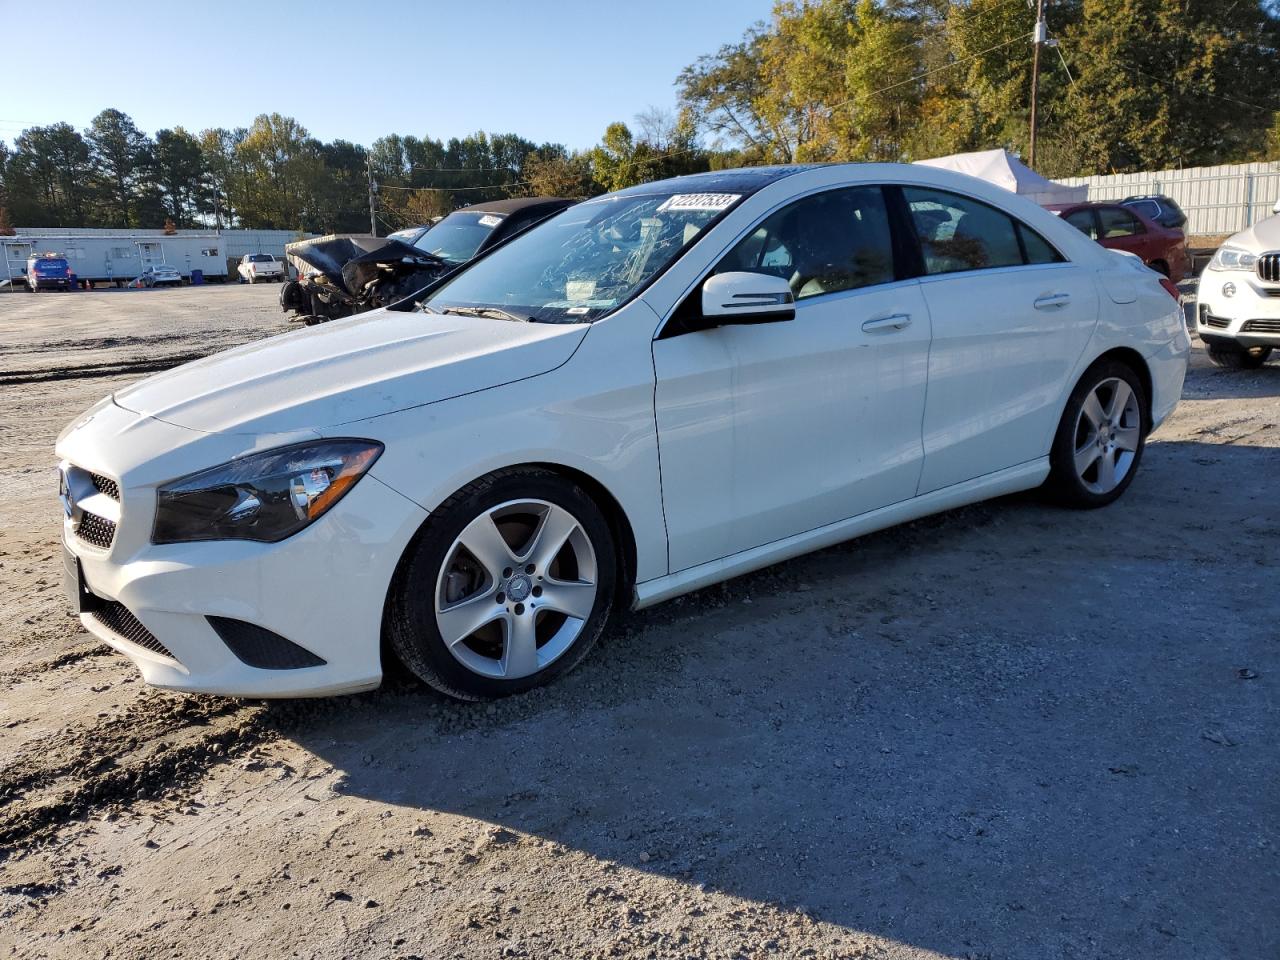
{"x": 585, "y": 262}
{"x": 458, "y": 236}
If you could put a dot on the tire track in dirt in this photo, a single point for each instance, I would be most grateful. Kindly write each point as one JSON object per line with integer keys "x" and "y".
{"x": 159, "y": 743}
{"x": 109, "y": 369}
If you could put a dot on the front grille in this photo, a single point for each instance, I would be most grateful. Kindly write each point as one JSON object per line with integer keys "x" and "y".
{"x": 259, "y": 647}
{"x": 117, "y": 618}
{"x": 1261, "y": 326}
{"x": 1269, "y": 267}
{"x": 105, "y": 485}
{"x": 96, "y": 530}
{"x": 1209, "y": 320}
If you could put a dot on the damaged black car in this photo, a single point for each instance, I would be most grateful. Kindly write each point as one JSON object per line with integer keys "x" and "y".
{"x": 342, "y": 275}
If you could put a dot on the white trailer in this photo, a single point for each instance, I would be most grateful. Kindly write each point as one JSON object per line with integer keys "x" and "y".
{"x": 116, "y": 258}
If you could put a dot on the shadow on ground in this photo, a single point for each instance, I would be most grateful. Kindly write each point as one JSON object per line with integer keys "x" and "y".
{"x": 1008, "y": 731}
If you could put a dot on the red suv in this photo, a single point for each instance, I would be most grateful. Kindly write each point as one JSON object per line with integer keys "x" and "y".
{"x": 1123, "y": 228}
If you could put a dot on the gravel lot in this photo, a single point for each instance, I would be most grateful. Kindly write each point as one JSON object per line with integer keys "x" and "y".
{"x": 1007, "y": 732}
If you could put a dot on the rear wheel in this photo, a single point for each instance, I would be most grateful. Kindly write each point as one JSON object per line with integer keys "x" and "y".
{"x": 1100, "y": 438}
{"x": 1233, "y": 357}
{"x": 509, "y": 585}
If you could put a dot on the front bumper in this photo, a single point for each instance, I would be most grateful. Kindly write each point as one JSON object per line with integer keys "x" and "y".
{"x": 322, "y": 590}
{"x": 1250, "y": 316}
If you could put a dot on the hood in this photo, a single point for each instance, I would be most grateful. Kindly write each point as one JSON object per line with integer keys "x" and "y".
{"x": 1262, "y": 237}
{"x": 335, "y": 373}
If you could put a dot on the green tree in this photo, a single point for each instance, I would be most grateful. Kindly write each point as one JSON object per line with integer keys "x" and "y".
{"x": 1162, "y": 83}
{"x": 48, "y": 177}
{"x": 178, "y": 172}
{"x": 121, "y": 155}
{"x": 281, "y": 168}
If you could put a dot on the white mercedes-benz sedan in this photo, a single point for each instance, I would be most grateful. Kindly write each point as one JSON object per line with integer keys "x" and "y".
{"x": 653, "y": 391}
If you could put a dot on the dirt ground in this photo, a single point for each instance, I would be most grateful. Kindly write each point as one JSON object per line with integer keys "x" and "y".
{"x": 1009, "y": 731}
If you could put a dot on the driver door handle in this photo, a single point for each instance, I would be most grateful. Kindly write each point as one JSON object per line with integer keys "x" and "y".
{"x": 1049, "y": 301}
{"x": 895, "y": 321}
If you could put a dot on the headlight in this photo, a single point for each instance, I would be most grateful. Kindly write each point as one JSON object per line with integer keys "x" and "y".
{"x": 1233, "y": 258}
{"x": 266, "y": 496}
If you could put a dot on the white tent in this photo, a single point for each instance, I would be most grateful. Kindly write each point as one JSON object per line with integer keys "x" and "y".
{"x": 1004, "y": 170}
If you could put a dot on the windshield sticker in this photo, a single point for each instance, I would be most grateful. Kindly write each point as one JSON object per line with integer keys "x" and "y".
{"x": 489, "y": 220}
{"x": 698, "y": 201}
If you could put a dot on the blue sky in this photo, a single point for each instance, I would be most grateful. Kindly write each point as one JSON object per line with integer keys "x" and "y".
{"x": 557, "y": 70}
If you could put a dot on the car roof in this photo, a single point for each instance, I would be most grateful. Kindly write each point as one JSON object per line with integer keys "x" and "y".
{"x": 742, "y": 180}
{"x": 517, "y": 205}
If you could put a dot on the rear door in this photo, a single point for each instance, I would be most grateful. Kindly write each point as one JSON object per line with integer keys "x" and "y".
{"x": 1119, "y": 229}
{"x": 1011, "y": 317}
{"x": 770, "y": 430}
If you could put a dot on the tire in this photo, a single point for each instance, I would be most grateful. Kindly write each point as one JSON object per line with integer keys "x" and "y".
{"x": 441, "y": 585}
{"x": 1097, "y": 449}
{"x": 1238, "y": 358}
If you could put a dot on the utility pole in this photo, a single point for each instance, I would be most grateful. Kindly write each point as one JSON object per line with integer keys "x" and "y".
{"x": 1038, "y": 39}
{"x": 373, "y": 207}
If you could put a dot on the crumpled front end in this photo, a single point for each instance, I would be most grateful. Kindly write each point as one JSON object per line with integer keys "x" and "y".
{"x": 342, "y": 275}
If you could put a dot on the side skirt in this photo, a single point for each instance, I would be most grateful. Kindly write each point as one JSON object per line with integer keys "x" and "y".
{"x": 1024, "y": 476}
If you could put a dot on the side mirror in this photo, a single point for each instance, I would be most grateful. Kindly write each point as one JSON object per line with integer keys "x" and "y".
{"x": 740, "y": 297}
{"x": 1276, "y": 208}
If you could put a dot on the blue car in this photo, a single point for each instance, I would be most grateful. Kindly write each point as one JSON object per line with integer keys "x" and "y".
{"x": 48, "y": 273}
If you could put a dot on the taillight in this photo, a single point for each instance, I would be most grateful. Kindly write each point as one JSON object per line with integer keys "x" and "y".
{"x": 1171, "y": 288}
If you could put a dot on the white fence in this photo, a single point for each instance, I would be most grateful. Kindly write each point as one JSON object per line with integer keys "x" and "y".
{"x": 1216, "y": 200}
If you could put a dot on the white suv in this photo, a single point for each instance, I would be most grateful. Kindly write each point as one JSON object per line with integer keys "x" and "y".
{"x": 1238, "y": 316}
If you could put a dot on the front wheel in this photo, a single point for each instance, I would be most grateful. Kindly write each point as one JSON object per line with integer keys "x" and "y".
{"x": 1231, "y": 357}
{"x": 508, "y": 585}
{"x": 1100, "y": 438}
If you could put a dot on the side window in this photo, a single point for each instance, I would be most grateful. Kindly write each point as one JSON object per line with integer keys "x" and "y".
{"x": 838, "y": 240}
{"x": 1037, "y": 248}
{"x": 1083, "y": 221}
{"x": 1119, "y": 222}
{"x": 958, "y": 234}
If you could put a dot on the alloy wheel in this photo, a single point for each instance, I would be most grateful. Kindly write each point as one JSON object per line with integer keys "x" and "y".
{"x": 516, "y": 588}
{"x": 1107, "y": 435}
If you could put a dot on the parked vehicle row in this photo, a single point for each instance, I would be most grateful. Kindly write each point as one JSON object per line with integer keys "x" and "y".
{"x": 1125, "y": 227}
{"x": 343, "y": 275}
{"x": 470, "y": 479}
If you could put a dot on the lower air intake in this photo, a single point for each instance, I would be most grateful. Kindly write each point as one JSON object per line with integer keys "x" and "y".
{"x": 259, "y": 647}
{"x": 117, "y": 618}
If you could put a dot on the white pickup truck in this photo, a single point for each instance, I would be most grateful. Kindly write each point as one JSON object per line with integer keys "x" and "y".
{"x": 260, "y": 266}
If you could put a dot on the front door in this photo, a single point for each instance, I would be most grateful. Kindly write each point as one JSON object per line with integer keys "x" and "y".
{"x": 150, "y": 253}
{"x": 770, "y": 430}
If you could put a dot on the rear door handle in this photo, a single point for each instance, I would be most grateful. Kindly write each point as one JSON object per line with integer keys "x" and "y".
{"x": 1052, "y": 300}
{"x": 895, "y": 321}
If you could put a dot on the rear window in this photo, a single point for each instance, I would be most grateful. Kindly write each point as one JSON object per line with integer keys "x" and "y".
{"x": 50, "y": 265}
{"x": 1148, "y": 208}
{"x": 261, "y": 258}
